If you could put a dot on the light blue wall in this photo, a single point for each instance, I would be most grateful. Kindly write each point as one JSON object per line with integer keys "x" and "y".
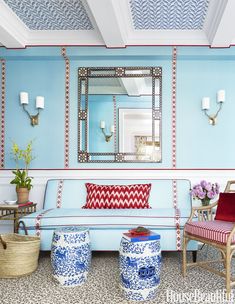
{"x": 200, "y": 72}
{"x": 198, "y": 143}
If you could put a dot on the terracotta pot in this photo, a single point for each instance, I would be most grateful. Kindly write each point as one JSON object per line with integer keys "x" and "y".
{"x": 22, "y": 195}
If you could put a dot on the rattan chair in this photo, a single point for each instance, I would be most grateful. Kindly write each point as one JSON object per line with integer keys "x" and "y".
{"x": 202, "y": 227}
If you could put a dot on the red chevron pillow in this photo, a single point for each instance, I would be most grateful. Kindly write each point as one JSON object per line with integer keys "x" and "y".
{"x": 117, "y": 196}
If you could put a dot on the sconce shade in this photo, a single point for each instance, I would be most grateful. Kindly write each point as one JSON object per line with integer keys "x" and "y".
{"x": 102, "y": 124}
{"x": 206, "y": 106}
{"x": 40, "y": 102}
{"x": 221, "y": 96}
{"x": 112, "y": 129}
{"x": 205, "y": 103}
{"x": 24, "y": 98}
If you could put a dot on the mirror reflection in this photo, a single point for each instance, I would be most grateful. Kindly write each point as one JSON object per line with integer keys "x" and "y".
{"x": 119, "y": 114}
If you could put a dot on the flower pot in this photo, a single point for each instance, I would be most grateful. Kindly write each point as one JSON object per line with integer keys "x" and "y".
{"x": 22, "y": 195}
{"x": 205, "y": 201}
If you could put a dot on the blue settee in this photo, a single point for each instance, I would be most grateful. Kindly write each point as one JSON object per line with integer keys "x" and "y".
{"x": 170, "y": 208}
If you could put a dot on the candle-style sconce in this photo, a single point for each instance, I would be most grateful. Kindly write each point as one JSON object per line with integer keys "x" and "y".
{"x": 102, "y": 127}
{"x": 206, "y": 106}
{"x": 24, "y": 100}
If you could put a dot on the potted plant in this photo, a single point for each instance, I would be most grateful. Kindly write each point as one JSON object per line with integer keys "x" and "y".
{"x": 22, "y": 181}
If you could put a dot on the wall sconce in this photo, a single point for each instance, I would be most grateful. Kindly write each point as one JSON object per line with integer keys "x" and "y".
{"x": 102, "y": 127}
{"x": 206, "y": 106}
{"x": 24, "y": 100}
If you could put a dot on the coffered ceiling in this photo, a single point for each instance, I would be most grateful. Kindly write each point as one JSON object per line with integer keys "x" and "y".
{"x": 117, "y": 23}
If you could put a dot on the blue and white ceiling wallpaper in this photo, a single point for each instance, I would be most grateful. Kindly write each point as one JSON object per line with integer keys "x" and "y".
{"x": 168, "y": 14}
{"x": 51, "y": 14}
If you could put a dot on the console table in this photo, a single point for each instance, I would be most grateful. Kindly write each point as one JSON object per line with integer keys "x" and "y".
{"x": 15, "y": 212}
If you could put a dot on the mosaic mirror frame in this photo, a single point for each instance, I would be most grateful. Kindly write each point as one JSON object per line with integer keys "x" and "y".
{"x": 85, "y": 75}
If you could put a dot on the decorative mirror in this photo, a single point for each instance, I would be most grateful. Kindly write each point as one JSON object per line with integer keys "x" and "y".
{"x": 119, "y": 114}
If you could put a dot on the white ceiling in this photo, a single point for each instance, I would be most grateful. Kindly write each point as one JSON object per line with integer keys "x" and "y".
{"x": 117, "y": 23}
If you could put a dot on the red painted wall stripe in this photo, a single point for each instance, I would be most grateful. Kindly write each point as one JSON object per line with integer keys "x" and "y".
{"x": 177, "y": 215}
{"x": 3, "y": 104}
{"x": 115, "y": 123}
{"x": 174, "y": 184}
{"x": 67, "y": 90}
{"x": 59, "y": 193}
{"x": 174, "y": 59}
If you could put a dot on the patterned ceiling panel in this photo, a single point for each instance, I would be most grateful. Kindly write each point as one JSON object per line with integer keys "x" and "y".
{"x": 168, "y": 14}
{"x": 51, "y": 14}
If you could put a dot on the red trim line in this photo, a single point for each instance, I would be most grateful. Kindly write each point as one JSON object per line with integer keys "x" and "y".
{"x": 119, "y": 47}
{"x": 59, "y": 193}
{"x": 118, "y": 225}
{"x": 67, "y": 91}
{"x": 101, "y": 216}
{"x": 3, "y": 105}
{"x": 126, "y": 169}
{"x": 115, "y": 122}
{"x": 174, "y": 54}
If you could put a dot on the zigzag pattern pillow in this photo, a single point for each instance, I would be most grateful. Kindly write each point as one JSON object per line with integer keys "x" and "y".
{"x": 117, "y": 196}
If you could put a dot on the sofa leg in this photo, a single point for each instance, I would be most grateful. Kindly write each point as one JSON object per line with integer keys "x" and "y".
{"x": 194, "y": 254}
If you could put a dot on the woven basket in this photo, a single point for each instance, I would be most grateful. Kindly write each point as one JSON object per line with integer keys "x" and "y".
{"x": 18, "y": 254}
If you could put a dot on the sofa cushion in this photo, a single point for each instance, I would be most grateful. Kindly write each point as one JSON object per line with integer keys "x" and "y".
{"x": 163, "y": 218}
{"x": 226, "y": 207}
{"x": 217, "y": 231}
{"x": 117, "y": 196}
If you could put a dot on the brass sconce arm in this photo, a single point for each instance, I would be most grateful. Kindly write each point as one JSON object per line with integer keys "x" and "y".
{"x": 206, "y": 106}
{"x": 34, "y": 119}
{"x": 24, "y": 100}
{"x": 213, "y": 118}
{"x": 107, "y": 137}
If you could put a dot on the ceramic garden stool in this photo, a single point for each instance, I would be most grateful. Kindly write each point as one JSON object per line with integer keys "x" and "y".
{"x": 140, "y": 264}
{"x": 71, "y": 255}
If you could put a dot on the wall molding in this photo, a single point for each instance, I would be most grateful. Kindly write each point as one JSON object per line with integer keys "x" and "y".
{"x": 3, "y": 106}
{"x": 40, "y": 177}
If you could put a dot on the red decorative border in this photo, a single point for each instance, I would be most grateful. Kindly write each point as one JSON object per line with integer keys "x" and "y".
{"x": 59, "y": 193}
{"x": 38, "y": 221}
{"x": 174, "y": 55}
{"x": 3, "y": 104}
{"x": 177, "y": 215}
{"x": 67, "y": 77}
{"x": 115, "y": 122}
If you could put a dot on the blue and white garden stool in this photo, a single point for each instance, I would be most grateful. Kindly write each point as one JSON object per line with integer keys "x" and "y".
{"x": 71, "y": 255}
{"x": 140, "y": 265}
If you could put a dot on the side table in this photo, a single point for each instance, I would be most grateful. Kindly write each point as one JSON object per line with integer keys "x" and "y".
{"x": 71, "y": 255}
{"x": 15, "y": 212}
{"x": 140, "y": 266}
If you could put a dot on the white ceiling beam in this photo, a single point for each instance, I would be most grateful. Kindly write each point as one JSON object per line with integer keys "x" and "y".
{"x": 131, "y": 86}
{"x": 64, "y": 37}
{"x": 220, "y": 23}
{"x": 105, "y": 15}
{"x": 13, "y": 32}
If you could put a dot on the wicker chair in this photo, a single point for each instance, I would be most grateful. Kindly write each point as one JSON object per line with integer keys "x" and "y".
{"x": 216, "y": 233}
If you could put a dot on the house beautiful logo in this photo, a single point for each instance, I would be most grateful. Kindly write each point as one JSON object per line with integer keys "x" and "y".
{"x": 196, "y": 296}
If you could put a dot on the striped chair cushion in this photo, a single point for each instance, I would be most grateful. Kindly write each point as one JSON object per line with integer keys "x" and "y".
{"x": 217, "y": 231}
